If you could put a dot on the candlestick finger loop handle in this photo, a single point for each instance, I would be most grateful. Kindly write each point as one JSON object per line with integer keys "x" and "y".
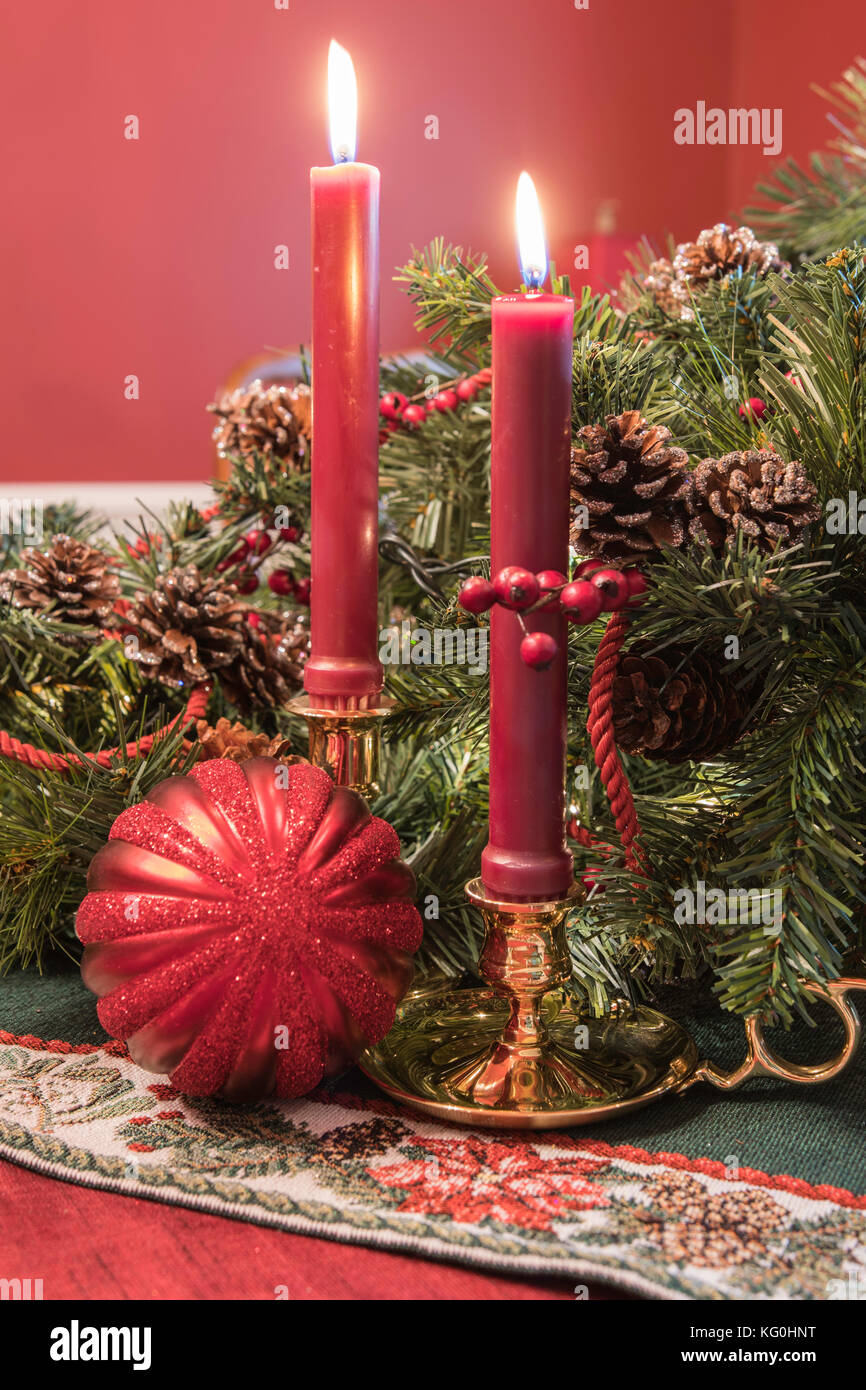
{"x": 346, "y": 743}
{"x": 761, "y": 1060}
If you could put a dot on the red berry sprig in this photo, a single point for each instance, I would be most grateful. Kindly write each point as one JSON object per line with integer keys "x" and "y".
{"x": 392, "y": 405}
{"x": 580, "y": 602}
{"x": 284, "y": 583}
{"x": 243, "y": 564}
{"x": 399, "y": 412}
{"x": 551, "y": 582}
{"x": 477, "y": 595}
{"x": 596, "y": 588}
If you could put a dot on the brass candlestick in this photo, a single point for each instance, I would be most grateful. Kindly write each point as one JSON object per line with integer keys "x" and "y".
{"x": 346, "y": 742}
{"x": 519, "y": 1055}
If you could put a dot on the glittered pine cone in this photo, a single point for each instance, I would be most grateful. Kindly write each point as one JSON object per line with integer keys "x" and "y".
{"x": 238, "y": 743}
{"x": 677, "y": 705}
{"x": 632, "y": 484}
{"x": 267, "y": 670}
{"x": 662, "y": 284}
{"x": 70, "y": 582}
{"x": 723, "y": 250}
{"x": 270, "y": 421}
{"x": 718, "y": 252}
{"x": 753, "y": 491}
{"x": 188, "y": 627}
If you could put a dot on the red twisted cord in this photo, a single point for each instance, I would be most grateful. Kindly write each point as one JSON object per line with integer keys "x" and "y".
{"x": 600, "y": 728}
{"x": 583, "y": 836}
{"x": 61, "y": 762}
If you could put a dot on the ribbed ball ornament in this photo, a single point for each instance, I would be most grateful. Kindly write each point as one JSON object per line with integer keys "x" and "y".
{"x": 248, "y": 929}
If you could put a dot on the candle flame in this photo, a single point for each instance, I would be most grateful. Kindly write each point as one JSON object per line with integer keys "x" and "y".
{"x": 342, "y": 104}
{"x": 531, "y": 244}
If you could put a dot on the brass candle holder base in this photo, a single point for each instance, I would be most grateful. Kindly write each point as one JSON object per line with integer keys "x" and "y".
{"x": 518, "y": 1055}
{"x": 345, "y": 743}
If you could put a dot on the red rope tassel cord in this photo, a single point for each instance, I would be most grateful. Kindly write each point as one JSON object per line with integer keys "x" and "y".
{"x": 600, "y": 728}
{"x": 62, "y": 762}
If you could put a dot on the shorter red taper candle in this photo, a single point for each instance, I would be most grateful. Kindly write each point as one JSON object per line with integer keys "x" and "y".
{"x": 526, "y": 857}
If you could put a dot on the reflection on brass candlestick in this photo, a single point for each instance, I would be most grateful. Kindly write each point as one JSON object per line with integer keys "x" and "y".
{"x": 519, "y": 1054}
{"x": 346, "y": 742}
{"x": 524, "y": 956}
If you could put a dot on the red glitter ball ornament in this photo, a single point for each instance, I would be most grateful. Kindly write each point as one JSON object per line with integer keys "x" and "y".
{"x": 248, "y": 928}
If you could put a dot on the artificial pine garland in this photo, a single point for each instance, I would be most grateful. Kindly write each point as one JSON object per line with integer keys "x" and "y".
{"x": 770, "y": 786}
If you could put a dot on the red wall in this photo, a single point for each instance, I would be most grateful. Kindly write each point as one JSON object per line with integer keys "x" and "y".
{"x": 156, "y": 257}
{"x": 782, "y": 48}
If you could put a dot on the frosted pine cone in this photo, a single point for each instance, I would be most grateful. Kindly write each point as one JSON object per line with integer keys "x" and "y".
{"x": 189, "y": 627}
{"x": 718, "y": 252}
{"x": 753, "y": 491}
{"x": 271, "y": 421}
{"x": 723, "y": 250}
{"x": 662, "y": 284}
{"x": 70, "y": 582}
{"x": 632, "y": 484}
{"x": 677, "y": 704}
{"x": 268, "y": 668}
{"x": 238, "y": 743}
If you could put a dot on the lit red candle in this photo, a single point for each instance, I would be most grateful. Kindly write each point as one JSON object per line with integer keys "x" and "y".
{"x": 343, "y": 670}
{"x": 526, "y": 855}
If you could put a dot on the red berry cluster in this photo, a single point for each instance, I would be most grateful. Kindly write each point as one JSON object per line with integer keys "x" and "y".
{"x": 248, "y": 557}
{"x": 399, "y": 412}
{"x": 593, "y": 589}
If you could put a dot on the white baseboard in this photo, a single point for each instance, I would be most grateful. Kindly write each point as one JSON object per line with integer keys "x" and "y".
{"x": 116, "y": 502}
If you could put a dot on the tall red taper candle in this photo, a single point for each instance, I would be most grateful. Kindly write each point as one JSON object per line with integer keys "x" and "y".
{"x": 343, "y": 670}
{"x": 526, "y": 856}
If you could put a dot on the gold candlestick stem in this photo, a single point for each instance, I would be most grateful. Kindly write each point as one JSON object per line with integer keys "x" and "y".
{"x": 346, "y": 742}
{"x": 524, "y": 955}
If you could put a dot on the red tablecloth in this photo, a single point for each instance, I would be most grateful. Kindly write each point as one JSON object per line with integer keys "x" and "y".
{"x": 88, "y": 1244}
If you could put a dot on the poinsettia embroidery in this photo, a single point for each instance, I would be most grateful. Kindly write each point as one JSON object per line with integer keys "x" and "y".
{"x": 474, "y": 1179}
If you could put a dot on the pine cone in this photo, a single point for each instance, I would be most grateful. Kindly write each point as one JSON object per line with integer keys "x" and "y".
{"x": 632, "y": 484}
{"x": 718, "y": 251}
{"x": 189, "y": 627}
{"x": 755, "y": 492}
{"x": 238, "y": 743}
{"x": 677, "y": 705}
{"x": 721, "y": 250}
{"x": 271, "y": 421}
{"x": 268, "y": 668}
{"x": 70, "y": 582}
{"x": 662, "y": 284}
